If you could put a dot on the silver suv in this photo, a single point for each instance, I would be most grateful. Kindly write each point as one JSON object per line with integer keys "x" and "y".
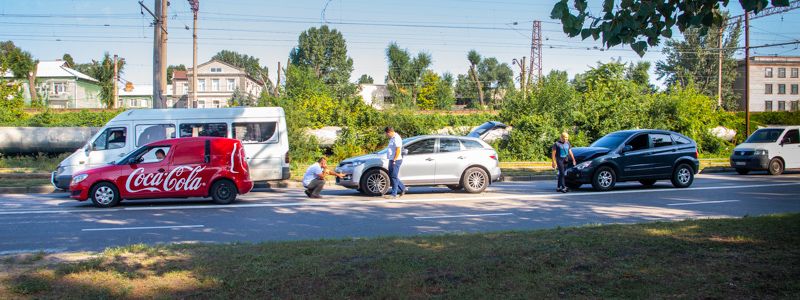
{"x": 455, "y": 161}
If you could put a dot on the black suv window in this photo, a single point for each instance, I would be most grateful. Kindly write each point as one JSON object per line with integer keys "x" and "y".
{"x": 660, "y": 140}
{"x": 640, "y": 142}
{"x": 680, "y": 140}
{"x": 422, "y": 147}
{"x": 792, "y": 137}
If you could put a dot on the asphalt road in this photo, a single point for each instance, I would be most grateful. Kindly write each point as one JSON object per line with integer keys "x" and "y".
{"x": 53, "y": 222}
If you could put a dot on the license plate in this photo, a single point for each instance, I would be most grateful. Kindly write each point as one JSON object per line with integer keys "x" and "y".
{"x": 741, "y": 163}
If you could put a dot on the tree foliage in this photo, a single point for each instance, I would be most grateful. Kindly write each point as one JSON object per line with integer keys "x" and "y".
{"x": 365, "y": 79}
{"x": 695, "y": 61}
{"x": 324, "y": 51}
{"x": 404, "y": 77}
{"x": 496, "y": 77}
{"x": 103, "y": 71}
{"x": 250, "y": 64}
{"x": 171, "y": 70}
{"x": 643, "y": 23}
{"x": 68, "y": 60}
{"x": 22, "y": 66}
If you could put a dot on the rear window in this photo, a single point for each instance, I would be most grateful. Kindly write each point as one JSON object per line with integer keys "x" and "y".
{"x": 204, "y": 129}
{"x": 680, "y": 140}
{"x": 660, "y": 140}
{"x": 449, "y": 145}
{"x": 470, "y": 144}
{"x": 255, "y": 132}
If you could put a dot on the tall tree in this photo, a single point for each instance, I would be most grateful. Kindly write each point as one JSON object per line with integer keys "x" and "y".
{"x": 68, "y": 60}
{"x": 250, "y": 64}
{"x": 22, "y": 65}
{"x": 496, "y": 76}
{"x": 474, "y": 59}
{"x": 640, "y": 73}
{"x": 324, "y": 50}
{"x": 405, "y": 73}
{"x": 103, "y": 71}
{"x": 365, "y": 79}
{"x": 171, "y": 69}
{"x": 643, "y": 23}
{"x": 695, "y": 60}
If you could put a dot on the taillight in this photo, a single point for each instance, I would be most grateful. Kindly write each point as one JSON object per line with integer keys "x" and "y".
{"x": 493, "y": 157}
{"x": 696, "y": 153}
{"x": 286, "y": 159}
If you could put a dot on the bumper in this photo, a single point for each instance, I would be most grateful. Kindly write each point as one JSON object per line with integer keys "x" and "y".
{"x": 496, "y": 174}
{"x": 60, "y": 181}
{"x": 79, "y": 191}
{"x": 244, "y": 186}
{"x": 347, "y": 181}
{"x": 750, "y": 162}
{"x": 579, "y": 176}
{"x": 286, "y": 173}
{"x": 351, "y": 178}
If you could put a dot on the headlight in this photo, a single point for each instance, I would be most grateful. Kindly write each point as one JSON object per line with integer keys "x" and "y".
{"x": 60, "y": 169}
{"x": 79, "y": 178}
{"x": 761, "y": 152}
{"x": 358, "y": 163}
{"x": 583, "y": 165}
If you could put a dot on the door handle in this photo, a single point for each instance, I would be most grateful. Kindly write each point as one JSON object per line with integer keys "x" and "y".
{"x": 161, "y": 170}
{"x": 429, "y": 159}
{"x": 461, "y": 157}
{"x": 121, "y": 154}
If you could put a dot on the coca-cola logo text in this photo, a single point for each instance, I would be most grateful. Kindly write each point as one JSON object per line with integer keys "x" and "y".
{"x": 181, "y": 178}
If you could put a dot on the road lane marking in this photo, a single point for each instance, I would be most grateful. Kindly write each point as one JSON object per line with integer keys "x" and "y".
{"x": 142, "y": 228}
{"x": 394, "y": 201}
{"x": 702, "y": 202}
{"x": 463, "y": 216}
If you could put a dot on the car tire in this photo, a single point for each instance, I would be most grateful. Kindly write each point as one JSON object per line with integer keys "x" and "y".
{"x": 104, "y": 195}
{"x": 775, "y": 167}
{"x": 648, "y": 182}
{"x": 573, "y": 185}
{"x": 604, "y": 179}
{"x": 455, "y": 187}
{"x": 223, "y": 192}
{"x": 742, "y": 171}
{"x": 682, "y": 176}
{"x": 375, "y": 182}
{"x": 475, "y": 180}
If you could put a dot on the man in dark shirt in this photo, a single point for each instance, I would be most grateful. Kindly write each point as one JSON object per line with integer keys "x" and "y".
{"x": 561, "y": 155}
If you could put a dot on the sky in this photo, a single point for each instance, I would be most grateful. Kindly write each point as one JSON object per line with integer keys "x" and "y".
{"x": 268, "y": 30}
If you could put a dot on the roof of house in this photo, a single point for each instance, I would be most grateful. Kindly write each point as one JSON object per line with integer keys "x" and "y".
{"x": 57, "y": 69}
{"x": 138, "y": 90}
{"x": 180, "y": 75}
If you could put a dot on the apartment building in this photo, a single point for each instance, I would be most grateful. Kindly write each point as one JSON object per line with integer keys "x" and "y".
{"x": 216, "y": 82}
{"x": 774, "y": 83}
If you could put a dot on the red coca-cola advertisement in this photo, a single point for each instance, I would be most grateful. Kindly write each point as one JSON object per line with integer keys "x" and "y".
{"x": 175, "y": 168}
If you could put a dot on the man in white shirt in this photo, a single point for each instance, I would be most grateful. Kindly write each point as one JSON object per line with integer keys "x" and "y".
{"x": 394, "y": 154}
{"x": 314, "y": 179}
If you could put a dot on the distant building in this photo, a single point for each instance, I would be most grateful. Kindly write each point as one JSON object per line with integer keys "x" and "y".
{"x": 216, "y": 82}
{"x": 135, "y": 96}
{"x": 374, "y": 95}
{"x": 774, "y": 82}
{"x": 59, "y": 86}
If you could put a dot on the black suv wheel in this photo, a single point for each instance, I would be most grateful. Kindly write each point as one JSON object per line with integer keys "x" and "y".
{"x": 682, "y": 176}
{"x": 604, "y": 179}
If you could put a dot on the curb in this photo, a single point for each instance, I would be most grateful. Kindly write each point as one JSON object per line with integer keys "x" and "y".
{"x": 43, "y": 189}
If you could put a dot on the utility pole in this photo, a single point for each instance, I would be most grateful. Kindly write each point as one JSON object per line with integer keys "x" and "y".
{"x": 522, "y": 84}
{"x": 278, "y": 82}
{"x": 159, "y": 50}
{"x": 536, "y": 51}
{"x": 195, "y": 4}
{"x": 719, "y": 66}
{"x": 115, "y": 99}
{"x": 746, "y": 74}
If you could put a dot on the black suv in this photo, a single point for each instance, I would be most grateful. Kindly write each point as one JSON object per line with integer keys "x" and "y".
{"x": 628, "y": 155}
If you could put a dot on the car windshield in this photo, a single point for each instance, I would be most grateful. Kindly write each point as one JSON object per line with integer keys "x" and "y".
{"x": 611, "y": 141}
{"x": 765, "y": 136}
{"x": 405, "y": 142}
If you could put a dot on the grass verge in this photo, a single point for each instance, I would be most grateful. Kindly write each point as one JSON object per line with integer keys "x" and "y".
{"x": 751, "y": 257}
{"x": 12, "y": 182}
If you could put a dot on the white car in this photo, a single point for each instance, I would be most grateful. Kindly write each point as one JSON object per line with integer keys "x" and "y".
{"x": 774, "y": 149}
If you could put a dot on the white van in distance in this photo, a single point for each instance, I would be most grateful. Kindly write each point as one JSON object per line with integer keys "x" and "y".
{"x": 774, "y": 149}
{"x": 262, "y": 130}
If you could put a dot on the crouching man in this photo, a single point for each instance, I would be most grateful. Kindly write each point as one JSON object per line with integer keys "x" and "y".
{"x": 314, "y": 179}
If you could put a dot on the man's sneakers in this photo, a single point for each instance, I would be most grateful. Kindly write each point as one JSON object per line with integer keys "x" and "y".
{"x": 308, "y": 194}
{"x": 403, "y": 192}
{"x": 562, "y": 190}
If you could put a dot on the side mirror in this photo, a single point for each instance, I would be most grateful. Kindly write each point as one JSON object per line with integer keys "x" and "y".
{"x": 134, "y": 160}
{"x": 405, "y": 151}
{"x": 627, "y": 148}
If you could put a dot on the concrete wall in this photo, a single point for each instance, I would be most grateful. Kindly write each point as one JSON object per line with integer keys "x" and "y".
{"x": 25, "y": 140}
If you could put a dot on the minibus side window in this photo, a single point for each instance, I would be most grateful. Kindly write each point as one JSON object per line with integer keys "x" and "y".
{"x": 255, "y": 132}
{"x": 204, "y": 129}
{"x": 112, "y": 138}
{"x": 146, "y": 134}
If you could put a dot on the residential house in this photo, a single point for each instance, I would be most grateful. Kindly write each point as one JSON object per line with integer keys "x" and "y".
{"x": 374, "y": 95}
{"x": 62, "y": 87}
{"x": 135, "y": 96}
{"x": 216, "y": 82}
{"x": 774, "y": 82}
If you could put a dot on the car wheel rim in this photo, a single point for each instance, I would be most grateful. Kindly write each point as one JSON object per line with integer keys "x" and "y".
{"x": 476, "y": 180}
{"x": 605, "y": 178}
{"x": 376, "y": 183}
{"x": 684, "y": 176}
{"x": 776, "y": 166}
{"x": 104, "y": 195}
{"x": 223, "y": 192}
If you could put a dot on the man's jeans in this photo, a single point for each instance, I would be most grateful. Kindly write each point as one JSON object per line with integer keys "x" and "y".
{"x": 394, "y": 176}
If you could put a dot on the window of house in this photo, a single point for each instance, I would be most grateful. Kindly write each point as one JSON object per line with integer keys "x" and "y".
{"x": 132, "y": 103}
{"x": 794, "y": 89}
{"x": 59, "y": 88}
{"x": 216, "y": 70}
{"x": 185, "y": 88}
{"x": 231, "y": 84}
{"x": 146, "y": 134}
{"x": 145, "y": 103}
{"x": 201, "y": 103}
{"x": 204, "y": 129}
{"x": 215, "y": 85}
{"x": 215, "y": 103}
{"x": 781, "y": 72}
{"x": 768, "y": 88}
{"x": 767, "y": 105}
{"x": 256, "y": 132}
{"x": 768, "y": 72}
{"x": 201, "y": 85}
{"x": 781, "y": 88}
{"x": 794, "y": 106}
{"x": 781, "y": 105}
{"x": 794, "y": 72}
